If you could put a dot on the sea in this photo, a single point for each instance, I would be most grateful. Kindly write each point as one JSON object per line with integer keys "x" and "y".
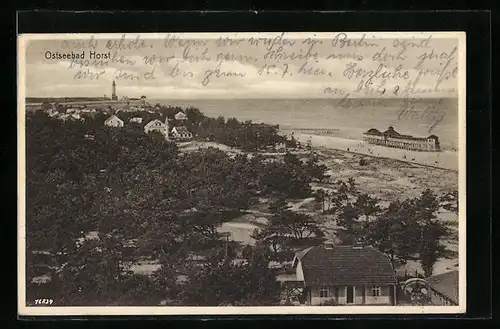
{"x": 349, "y": 118}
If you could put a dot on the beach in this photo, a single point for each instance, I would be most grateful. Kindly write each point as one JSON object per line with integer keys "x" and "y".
{"x": 445, "y": 159}
{"x": 347, "y": 122}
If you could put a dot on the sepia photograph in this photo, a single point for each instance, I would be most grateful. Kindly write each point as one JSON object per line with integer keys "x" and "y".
{"x": 241, "y": 173}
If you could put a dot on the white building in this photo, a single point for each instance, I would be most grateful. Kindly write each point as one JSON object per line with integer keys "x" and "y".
{"x": 76, "y": 116}
{"x": 181, "y": 133}
{"x": 180, "y": 116}
{"x": 114, "y": 121}
{"x": 155, "y": 125}
{"x": 136, "y": 120}
{"x": 391, "y": 138}
{"x": 53, "y": 113}
{"x": 63, "y": 116}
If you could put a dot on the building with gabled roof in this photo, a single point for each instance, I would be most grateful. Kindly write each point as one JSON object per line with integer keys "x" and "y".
{"x": 180, "y": 116}
{"x": 114, "y": 121}
{"x": 444, "y": 288}
{"x": 154, "y": 125}
{"x": 392, "y": 138}
{"x": 348, "y": 275}
{"x": 181, "y": 133}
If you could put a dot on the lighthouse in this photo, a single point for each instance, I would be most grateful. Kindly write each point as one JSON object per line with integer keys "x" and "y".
{"x": 113, "y": 92}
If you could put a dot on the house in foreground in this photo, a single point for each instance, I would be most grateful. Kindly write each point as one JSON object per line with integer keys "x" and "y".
{"x": 444, "y": 288}
{"x": 344, "y": 275}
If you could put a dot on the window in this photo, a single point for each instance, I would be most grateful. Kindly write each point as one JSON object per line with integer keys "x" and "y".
{"x": 376, "y": 291}
{"x": 323, "y": 292}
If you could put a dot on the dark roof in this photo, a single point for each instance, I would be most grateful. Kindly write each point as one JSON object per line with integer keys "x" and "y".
{"x": 391, "y": 132}
{"x": 373, "y": 131}
{"x": 300, "y": 254}
{"x": 446, "y": 284}
{"x": 182, "y": 130}
{"x": 346, "y": 265}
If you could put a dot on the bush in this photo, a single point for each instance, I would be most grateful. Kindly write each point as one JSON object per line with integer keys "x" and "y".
{"x": 363, "y": 162}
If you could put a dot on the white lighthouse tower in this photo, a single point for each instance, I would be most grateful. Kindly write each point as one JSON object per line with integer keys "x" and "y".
{"x": 113, "y": 91}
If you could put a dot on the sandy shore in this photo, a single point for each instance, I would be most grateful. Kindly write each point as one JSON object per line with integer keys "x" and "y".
{"x": 445, "y": 159}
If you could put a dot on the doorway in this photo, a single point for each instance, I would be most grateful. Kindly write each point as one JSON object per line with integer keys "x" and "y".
{"x": 350, "y": 295}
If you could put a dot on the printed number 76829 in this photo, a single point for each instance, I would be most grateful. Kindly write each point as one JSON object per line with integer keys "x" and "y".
{"x": 44, "y": 301}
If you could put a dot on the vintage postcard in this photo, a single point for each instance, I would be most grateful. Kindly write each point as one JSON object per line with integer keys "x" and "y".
{"x": 241, "y": 173}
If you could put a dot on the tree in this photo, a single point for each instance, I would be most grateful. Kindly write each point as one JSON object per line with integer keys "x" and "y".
{"x": 431, "y": 248}
{"x": 288, "y": 178}
{"x": 321, "y": 196}
{"x": 96, "y": 259}
{"x": 195, "y": 116}
{"x": 315, "y": 169}
{"x": 214, "y": 285}
{"x": 449, "y": 201}
{"x": 395, "y": 232}
{"x": 287, "y": 230}
{"x": 431, "y": 230}
{"x": 408, "y": 230}
{"x": 46, "y": 105}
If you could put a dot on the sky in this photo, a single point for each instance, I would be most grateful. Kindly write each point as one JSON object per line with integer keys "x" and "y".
{"x": 56, "y": 77}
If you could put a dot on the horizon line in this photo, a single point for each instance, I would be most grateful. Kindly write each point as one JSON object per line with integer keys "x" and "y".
{"x": 233, "y": 98}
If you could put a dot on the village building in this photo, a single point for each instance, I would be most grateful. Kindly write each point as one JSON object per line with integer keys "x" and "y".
{"x": 391, "y": 138}
{"x": 181, "y": 133}
{"x": 344, "y": 275}
{"x": 114, "y": 121}
{"x": 64, "y": 117}
{"x": 136, "y": 120}
{"x": 156, "y": 125}
{"x": 53, "y": 113}
{"x": 444, "y": 288}
{"x": 76, "y": 116}
{"x": 180, "y": 116}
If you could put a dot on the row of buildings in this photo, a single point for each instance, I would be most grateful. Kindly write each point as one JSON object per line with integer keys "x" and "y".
{"x": 391, "y": 138}
{"x": 72, "y": 111}
{"x": 179, "y": 132}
